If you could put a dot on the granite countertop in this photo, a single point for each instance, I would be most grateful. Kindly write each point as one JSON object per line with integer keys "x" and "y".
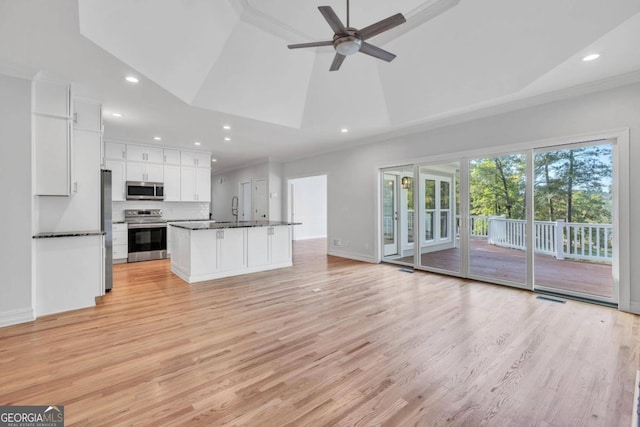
{"x": 119, "y": 222}
{"x": 188, "y": 220}
{"x": 68, "y": 234}
{"x": 212, "y": 225}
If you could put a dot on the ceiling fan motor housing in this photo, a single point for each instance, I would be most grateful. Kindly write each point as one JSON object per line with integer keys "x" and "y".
{"x": 347, "y": 44}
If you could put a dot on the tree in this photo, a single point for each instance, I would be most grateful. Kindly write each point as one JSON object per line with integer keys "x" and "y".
{"x": 497, "y": 186}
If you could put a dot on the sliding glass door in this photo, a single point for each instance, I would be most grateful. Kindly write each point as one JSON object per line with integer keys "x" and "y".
{"x": 574, "y": 220}
{"x": 540, "y": 219}
{"x": 498, "y": 219}
{"x": 438, "y": 202}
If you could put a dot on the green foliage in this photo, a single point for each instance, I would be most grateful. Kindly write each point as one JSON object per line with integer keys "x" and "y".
{"x": 497, "y": 186}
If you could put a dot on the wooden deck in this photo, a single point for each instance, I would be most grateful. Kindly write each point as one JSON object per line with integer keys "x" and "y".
{"x": 327, "y": 342}
{"x": 495, "y": 262}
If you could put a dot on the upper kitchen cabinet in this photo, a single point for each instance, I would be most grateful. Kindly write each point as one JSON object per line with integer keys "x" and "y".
{"x": 142, "y": 153}
{"x": 52, "y": 97}
{"x": 52, "y": 137}
{"x": 197, "y": 159}
{"x": 138, "y": 171}
{"x": 115, "y": 151}
{"x": 172, "y": 157}
{"x": 87, "y": 115}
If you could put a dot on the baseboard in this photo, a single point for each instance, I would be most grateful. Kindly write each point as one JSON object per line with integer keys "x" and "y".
{"x": 634, "y": 307}
{"x": 14, "y": 317}
{"x": 351, "y": 255}
{"x": 310, "y": 238}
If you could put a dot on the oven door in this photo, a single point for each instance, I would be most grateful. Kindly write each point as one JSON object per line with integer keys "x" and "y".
{"x": 147, "y": 242}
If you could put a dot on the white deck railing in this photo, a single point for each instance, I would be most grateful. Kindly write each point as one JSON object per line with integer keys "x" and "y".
{"x": 575, "y": 240}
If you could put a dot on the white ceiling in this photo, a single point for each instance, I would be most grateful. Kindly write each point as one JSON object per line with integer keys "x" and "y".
{"x": 204, "y": 63}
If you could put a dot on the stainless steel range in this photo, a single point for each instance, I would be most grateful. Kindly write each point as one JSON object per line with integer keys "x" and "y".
{"x": 147, "y": 234}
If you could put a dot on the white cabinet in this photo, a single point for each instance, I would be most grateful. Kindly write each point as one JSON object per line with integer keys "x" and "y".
{"x": 195, "y": 184}
{"x": 68, "y": 273}
{"x": 172, "y": 183}
{"x": 138, "y": 171}
{"x": 87, "y": 115}
{"x": 143, "y": 153}
{"x": 231, "y": 249}
{"x": 52, "y": 138}
{"x": 118, "y": 178}
{"x": 280, "y": 244}
{"x": 120, "y": 243}
{"x": 204, "y": 254}
{"x": 269, "y": 246}
{"x": 196, "y": 159}
{"x": 172, "y": 157}
{"x": 52, "y": 98}
{"x": 115, "y": 151}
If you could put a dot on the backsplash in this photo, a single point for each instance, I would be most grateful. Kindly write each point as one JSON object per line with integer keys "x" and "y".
{"x": 170, "y": 210}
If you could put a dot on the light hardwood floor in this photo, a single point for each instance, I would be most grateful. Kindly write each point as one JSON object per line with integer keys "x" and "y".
{"x": 327, "y": 342}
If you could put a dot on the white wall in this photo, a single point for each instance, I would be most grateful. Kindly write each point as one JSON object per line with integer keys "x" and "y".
{"x": 15, "y": 213}
{"x": 353, "y": 173}
{"x": 309, "y": 200}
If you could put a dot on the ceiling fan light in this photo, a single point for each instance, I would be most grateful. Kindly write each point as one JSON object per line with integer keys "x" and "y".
{"x": 347, "y": 45}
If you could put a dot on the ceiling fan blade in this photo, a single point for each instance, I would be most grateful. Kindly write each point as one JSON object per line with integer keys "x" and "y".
{"x": 314, "y": 44}
{"x": 334, "y": 22}
{"x": 382, "y": 26}
{"x": 376, "y": 52}
{"x": 337, "y": 62}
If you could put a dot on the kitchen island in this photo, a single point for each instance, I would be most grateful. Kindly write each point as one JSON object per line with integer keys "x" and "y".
{"x": 209, "y": 250}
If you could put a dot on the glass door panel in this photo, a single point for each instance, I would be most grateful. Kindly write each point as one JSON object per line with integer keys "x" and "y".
{"x": 497, "y": 219}
{"x": 573, "y": 220}
{"x": 389, "y": 212}
{"x": 398, "y": 215}
{"x": 438, "y": 193}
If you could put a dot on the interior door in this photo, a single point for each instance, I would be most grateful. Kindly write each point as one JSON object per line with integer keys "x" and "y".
{"x": 245, "y": 199}
{"x": 261, "y": 201}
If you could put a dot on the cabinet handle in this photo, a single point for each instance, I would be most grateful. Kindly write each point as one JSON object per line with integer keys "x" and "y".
{"x": 75, "y": 118}
{"x": 124, "y": 154}
{"x": 164, "y": 158}
{"x": 75, "y": 187}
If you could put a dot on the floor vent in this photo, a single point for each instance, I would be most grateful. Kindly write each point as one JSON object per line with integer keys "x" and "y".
{"x": 406, "y": 270}
{"x": 559, "y": 301}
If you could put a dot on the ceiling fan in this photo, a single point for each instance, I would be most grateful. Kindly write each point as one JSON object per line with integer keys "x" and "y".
{"x": 348, "y": 40}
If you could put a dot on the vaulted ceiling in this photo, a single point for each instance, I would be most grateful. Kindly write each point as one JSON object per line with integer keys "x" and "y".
{"x": 206, "y": 63}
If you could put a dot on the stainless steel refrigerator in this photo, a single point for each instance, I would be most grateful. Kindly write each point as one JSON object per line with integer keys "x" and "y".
{"x": 106, "y": 226}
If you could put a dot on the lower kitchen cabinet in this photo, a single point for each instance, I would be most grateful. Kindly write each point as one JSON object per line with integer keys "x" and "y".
{"x": 120, "y": 243}
{"x": 69, "y": 273}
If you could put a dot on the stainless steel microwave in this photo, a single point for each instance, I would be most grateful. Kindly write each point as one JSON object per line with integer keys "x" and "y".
{"x": 140, "y": 190}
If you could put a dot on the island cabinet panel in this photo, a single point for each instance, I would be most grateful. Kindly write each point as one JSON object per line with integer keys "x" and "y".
{"x": 280, "y": 244}
{"x": 259, "y": 248}
{"x": 204, "y": 252}
{"x": 232, "y": 244}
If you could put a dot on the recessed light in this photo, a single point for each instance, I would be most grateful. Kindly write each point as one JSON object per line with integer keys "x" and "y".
{"x": 591, "y": 57}
{"x": 226, "y": 127}
{"x": 116, "y": 114}
{"x": 344, "y": 130}
{"x": 157, "y": 138}
{"x": 196, "y": 143}
{"x": 227, "y": 139}
{"x": 132, "y": 79}
{"x": 214, "y": 160}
